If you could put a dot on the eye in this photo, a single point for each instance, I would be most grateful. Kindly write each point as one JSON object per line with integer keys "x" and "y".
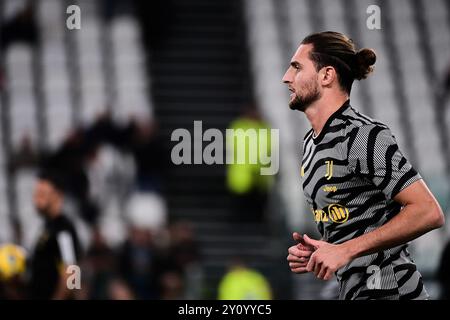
{"x": 296, "y": 66}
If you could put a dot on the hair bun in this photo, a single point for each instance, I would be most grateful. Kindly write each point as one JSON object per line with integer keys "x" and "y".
{"x": 365, "y": 59}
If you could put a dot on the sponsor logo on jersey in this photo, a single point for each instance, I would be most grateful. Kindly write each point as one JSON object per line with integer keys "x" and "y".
{"x": 335, "y": 212}
{"x": 330, "y": 189}
{"x": 338, "y": 213}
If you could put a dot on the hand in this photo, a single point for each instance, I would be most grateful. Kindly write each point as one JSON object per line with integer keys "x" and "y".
{"x": 327, "y": 258}
{"x": 299, "y": 254}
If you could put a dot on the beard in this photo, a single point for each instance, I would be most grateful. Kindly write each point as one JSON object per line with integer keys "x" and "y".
{"x": 42, "y": 210}
{"x": 302, "y": 102}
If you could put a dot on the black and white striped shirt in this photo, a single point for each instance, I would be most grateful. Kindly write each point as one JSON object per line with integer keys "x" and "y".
{"x": 351, "y": 172}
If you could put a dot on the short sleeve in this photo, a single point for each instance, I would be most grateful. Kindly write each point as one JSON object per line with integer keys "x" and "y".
{"x": 373, "y": 153}
{"x": 66, "y": 247}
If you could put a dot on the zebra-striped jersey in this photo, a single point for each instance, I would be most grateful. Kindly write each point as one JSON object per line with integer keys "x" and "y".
{"x": 351, "y": 172}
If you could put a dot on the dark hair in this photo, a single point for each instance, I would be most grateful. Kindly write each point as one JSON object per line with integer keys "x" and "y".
{"x": 55, "y": 178}
{"x": 337, "y": 50}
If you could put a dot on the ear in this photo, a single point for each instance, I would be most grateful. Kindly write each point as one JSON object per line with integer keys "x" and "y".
{"x": 327, "y": 75}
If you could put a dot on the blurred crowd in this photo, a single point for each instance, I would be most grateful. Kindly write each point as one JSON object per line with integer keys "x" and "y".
{"x": 108, "y": 165}
{"x": 147, "y": 265}
{"x": 79, "y": 160}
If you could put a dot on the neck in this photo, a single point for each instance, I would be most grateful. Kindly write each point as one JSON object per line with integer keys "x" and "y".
{"x": 319, "y": 112}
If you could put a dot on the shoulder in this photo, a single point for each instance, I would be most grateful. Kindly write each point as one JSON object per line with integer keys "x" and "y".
{"x": 361, "y": 127}
{"x": 370, "y": 137}
{"x": 65, "y": 224}
{"x": 361, "y": 122}
{"x": 366, "y": 136}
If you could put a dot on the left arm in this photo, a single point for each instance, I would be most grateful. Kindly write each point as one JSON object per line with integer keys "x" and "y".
{"x": 67, "y": 252}
{"x": 421, "y": 213}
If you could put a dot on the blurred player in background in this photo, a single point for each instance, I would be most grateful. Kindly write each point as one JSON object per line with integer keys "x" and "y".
{"x": 366, "y": 198}
{"x": 57, "y": 247}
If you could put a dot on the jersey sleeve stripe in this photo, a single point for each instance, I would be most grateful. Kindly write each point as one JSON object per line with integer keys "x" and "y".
{"x": 66, "y": 248}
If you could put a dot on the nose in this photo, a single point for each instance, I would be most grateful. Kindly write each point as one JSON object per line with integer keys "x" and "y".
{"x": 287, "y": 78}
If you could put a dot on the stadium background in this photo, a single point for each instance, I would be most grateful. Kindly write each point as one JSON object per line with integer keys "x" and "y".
{"x": 101, "y": 103}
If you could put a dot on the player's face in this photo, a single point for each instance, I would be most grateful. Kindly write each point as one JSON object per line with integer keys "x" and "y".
{"x": 43, "y": 197}
{"x": 302, "y": 79}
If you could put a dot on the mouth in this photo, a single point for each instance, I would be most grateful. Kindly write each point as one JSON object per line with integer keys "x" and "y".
{"x": 292, "y": 95}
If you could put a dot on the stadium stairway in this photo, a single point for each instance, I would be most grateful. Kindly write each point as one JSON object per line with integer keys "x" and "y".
{"x": 199, "y": 71}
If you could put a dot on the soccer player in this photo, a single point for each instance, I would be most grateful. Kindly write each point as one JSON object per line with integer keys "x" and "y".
{"x": 366, "y": 198}
{"x": 57, "y": 247}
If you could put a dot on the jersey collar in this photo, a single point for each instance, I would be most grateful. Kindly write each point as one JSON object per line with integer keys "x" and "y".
{"x": 329, "y": 121}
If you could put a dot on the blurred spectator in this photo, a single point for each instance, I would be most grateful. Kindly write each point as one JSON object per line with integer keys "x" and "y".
{"x": 244, "y": 283}
{"x": 150, "y": 156}
{"x": 109, "y": 8}
{"x": 119, "y": 290}
{"x": 70, "y": 160}
{"x": 103, "y": 130}
{"x": 172, "y": 286}
{"x": 249, "y": 188}
{"x": 22, "y": 27}
{"x": 99, "y": 267}
{"x": 57, "y": 247}
{"x": 184, "y": 252}
{"x": 443, "y": 275}
{"x": 26, "y": 156}
{"x": 183, "y": 246}
{"x": 141, "y": 263}
{"x": 142, "y": 139}
{"x": 111, "y": 175}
